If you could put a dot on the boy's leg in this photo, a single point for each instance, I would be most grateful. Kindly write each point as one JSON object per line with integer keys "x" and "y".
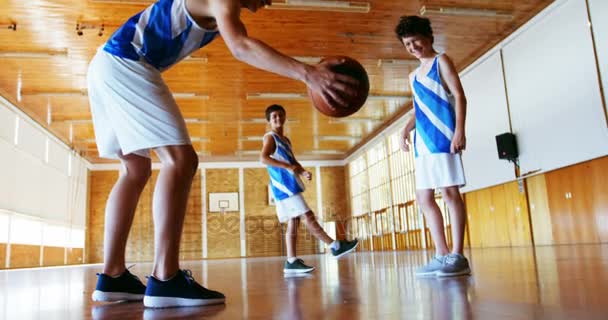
{"x": 116, "y": 283}
{"x": 338, "y": 248}
{"x": 291, "y": 237}
{"x": 313, "y": 226}
{"x": 120, "y": 209}
{"x": 451, "y": 195}
{"x": 179, "y": 165}
{"x": 293, "y": 265}
{"x": 169, "y": 286}
{"x": 434, "y": 219}
{"x": 455, "y": 264}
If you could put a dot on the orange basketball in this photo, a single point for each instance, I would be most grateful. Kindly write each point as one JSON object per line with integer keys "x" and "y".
{"x": 354, "y": 69}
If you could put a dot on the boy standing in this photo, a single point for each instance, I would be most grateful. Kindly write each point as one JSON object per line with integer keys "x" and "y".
{"x": 287, "y": 188}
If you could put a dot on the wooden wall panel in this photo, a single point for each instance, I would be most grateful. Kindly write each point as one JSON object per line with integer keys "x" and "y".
{"x": 223, "y": 237}
{"x": 23, "y": 256}
{"x": 599, "y": 182}
{"x": 539, "y": 210}
{"x": 191, "y": 247}
{"x": 517, "y": 214}
{"x": 306, "y": 242}
{"x": 263, "y": 231}
{"x": 2, "y": 255}
{"x": 100, "y": 185}
{"x": 75, "y": 256}
{"x": 578, "y": 204}
{"x": 140, "y": 245}
{"x": 334, "y": 193}
{"x": 53, "y": 256}
{"x": 498, "y": 217}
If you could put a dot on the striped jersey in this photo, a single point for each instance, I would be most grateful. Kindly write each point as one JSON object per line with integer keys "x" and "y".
{"x": 162, "y": 35}
{"x": 435, "y": 113}
{"x": 283, "y": 182}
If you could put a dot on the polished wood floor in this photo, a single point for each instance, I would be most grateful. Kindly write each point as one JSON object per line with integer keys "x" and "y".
{"x": 564, "y": 282}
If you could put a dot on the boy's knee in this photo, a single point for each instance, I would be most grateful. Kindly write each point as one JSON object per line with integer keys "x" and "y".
{"x": 450, "y": 195}
{"x": 184, "y": 160}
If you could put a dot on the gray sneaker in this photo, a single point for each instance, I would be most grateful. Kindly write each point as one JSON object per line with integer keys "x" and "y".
{"x": 431, "y": 268}
{"x": 454, "y": 265}
{"x": 297, "y": 266}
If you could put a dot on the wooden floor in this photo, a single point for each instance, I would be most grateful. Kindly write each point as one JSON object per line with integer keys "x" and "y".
{"x": 566, "y": 282}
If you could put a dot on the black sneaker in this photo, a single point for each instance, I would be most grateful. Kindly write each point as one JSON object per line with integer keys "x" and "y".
{"x": 126, "y": 287}
{"x": 345, "y": 247}
{"x": 297, "y": 266}
{"x": 179, "y": 291}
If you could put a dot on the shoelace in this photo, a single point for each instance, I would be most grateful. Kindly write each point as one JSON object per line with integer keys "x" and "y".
{"x": 188, "y": 275}
{"x": 451, "y": 259}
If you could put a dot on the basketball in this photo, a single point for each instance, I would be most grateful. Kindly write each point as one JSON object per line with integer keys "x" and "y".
{"x": 354, "y": 69}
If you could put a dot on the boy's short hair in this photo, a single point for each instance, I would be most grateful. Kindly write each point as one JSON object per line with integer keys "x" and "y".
{"x": 413, "y": 25}
{"x": 273, "y": 108}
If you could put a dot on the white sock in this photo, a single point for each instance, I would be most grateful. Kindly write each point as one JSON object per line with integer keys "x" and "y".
{"x": 335, "y": 245}
{"x": 292, "y": 259}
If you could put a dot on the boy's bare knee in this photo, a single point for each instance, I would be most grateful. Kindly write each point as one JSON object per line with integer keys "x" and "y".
{"x": 182, "y": 159}
{"x": 136, "y": 168}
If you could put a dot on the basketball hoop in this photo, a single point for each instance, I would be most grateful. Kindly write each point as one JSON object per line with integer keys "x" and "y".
{"x": 223, "y": 205}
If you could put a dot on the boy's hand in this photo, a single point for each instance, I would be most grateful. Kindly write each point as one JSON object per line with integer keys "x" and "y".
{"x": 458, "y": 142}
{"x": 332, "y": 86}
{"x": 405, "y": 142}
{"x": 307, "y": 175}
{"x": 298, "y": 170}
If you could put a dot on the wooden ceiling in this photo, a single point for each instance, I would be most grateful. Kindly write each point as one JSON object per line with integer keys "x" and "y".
{"x": 224, "y": 124}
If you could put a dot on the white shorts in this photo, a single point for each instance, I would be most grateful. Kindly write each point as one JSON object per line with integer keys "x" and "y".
{"x": 291, "y": 207}
{"x": 132, "y": 107}
{"x": 439, "y": 170}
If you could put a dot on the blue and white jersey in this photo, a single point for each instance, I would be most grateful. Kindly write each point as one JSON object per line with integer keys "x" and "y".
{"x": 162, "y": 35}
{"x": 283, "y": 182}
{"x": 435, "y": 113}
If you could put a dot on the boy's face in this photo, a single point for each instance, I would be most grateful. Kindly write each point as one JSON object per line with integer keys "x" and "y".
{"x": 277, "y": 119}
{"x": 418, "y": 45}
{"x": 254, "y": 5}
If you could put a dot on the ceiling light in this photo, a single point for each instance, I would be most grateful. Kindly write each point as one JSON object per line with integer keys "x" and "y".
{"x": 248, "y": 152}
{"x": 190, "y": 95}
{"x": 389, "y": 97}
{"x": 66, "y": 93}
{"x": 203, "y": 153}
{"x": 321, "y": 5}
{"x": 252, "y": 138}
{"x": 467, "y": 12}
{"x": 397, "y": 62}
{"x": 338, "y": 138}
{"x": 34, "y": 54}
{"x": 201, "y": 59}
{"x": 284, "y": 96}
{"x": 355, "y": 120}
{"x": 199, "y": 139}
{"x": 196, "y": 120}
{"x": 264, "y": 121}
{"x": 324, "y": 152}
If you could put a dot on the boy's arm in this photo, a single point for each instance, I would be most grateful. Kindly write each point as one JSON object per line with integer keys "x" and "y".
{"x": 267, "y": 150}
{"x": 409, "y": 125}
{"x": 298, "y": 168}
{"x": 452, "y": 81}
{"x": 258, "y": 54}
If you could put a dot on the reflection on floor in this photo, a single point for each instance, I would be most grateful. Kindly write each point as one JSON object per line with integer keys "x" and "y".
{"x": 565, "y": 282}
